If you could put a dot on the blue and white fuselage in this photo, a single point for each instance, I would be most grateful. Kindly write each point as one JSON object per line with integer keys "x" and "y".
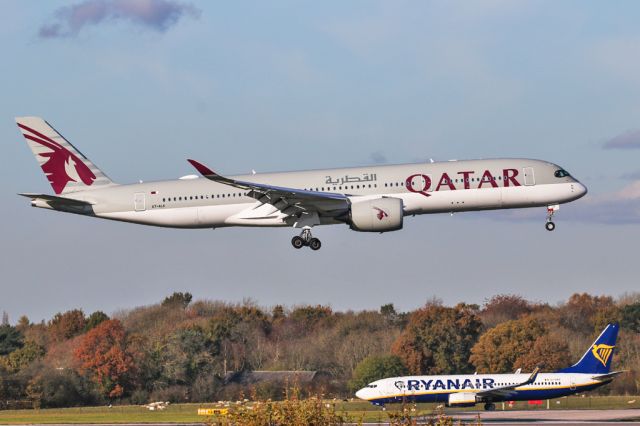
{"x": 592, "y": 371}
{"x": 441, "y": 388}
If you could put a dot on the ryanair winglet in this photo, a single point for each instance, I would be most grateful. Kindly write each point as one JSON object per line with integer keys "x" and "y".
{"x": 598, "y": 357}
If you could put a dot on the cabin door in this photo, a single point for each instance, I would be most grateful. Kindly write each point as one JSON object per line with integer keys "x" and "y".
{"x": 139, "y": 202}
{"x": 572, "y": 382}
{"x": 529, "y": 178}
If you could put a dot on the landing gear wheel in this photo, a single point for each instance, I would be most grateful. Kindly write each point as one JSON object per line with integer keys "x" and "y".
{"x": 489, "y": 406}
{"x": 297, "y": 242}
{"x": 315, "y": 244}
{"x": 306, "y": 239}
{"x": 551, "y": 210}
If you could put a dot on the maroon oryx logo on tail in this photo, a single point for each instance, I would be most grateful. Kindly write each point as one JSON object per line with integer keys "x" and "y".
{"x": 62, "y": 165}
{"x": 381, "y": 213}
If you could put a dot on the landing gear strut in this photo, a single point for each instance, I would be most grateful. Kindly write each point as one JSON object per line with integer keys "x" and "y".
{"x": 489, "y": 406}
{"x": 550, "y": 211}
{"x": 306, "y": 239}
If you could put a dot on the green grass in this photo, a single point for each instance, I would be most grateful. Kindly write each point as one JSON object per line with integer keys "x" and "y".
{"x": 187, "y": 413}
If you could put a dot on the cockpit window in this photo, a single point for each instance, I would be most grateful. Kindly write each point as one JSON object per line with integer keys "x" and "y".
{"x": 561, "y": 173}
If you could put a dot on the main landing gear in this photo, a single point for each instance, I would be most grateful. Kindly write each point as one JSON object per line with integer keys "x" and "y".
{"x": 490, "y": 406}
{"x": 306, "y": 239}
{"x": 550, "y": 211}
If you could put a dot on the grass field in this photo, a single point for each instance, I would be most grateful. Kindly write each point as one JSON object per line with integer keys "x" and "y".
{"x": 187, "y": 413}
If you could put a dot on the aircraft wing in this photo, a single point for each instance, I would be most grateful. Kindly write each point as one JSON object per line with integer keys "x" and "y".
{"x": 290, "y": 201}
{"x": 506, "y": 391}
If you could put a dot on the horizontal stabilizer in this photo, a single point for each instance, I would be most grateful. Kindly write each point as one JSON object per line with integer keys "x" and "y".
{"x": 608, "y": 376}
{"x": 56, "y": 199}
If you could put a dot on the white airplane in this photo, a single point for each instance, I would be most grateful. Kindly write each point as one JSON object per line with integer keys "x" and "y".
{"x": 367, "y": 199}
{"x": 591, "y": 372}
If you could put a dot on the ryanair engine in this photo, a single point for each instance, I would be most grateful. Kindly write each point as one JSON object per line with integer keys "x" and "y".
{"x": 377, "y": 215}
{"x": 462, "y": 399}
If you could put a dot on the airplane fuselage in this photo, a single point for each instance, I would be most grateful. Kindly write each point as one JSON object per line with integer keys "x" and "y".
{"x": 440, "y": 388}
{"x": 452, "y": 186}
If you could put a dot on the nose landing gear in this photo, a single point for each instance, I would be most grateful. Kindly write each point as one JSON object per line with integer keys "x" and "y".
{"x": 550, "y": 226}
{"x": 306, "y": 239}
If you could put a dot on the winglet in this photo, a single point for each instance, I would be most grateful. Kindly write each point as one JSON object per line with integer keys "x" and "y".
{"x": 201, "y": 168}
{"x": 533, "y": 376}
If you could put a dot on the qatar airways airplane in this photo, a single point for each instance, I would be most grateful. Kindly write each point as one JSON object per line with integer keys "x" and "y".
{"x": 591, "y": 372}
{"x": 368, "y": 199}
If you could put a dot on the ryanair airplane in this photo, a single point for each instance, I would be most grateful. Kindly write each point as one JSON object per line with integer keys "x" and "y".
{"x": 591, "y": 372}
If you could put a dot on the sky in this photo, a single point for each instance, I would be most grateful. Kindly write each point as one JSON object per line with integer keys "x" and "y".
{"x": 140, "y": 85}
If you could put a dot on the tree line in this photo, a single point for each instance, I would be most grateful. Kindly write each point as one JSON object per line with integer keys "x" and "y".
{"x": 182, "y": 350}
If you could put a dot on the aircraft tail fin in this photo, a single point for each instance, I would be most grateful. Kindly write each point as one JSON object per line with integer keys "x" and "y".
{"x": 66, "y": 168}
{"x": 598, "y": 358}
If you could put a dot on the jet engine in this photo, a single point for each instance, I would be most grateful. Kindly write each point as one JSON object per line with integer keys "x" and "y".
{"x": 377, "y": 215}
{"x": 462, "y": 399}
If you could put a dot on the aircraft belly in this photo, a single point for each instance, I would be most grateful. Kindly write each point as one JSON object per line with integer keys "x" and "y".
{"x": 537, "y": 195}
{"x": 212, "y": 216}
{"x": 185, "y": 217}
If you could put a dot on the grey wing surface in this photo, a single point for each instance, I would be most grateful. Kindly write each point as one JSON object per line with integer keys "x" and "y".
{"x": 290, "y": 201}
{"x": 507, "y": 391}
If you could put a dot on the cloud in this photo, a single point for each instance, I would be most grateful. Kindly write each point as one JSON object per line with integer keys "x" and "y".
{"x": 614, "y": 208}
{"x": 627, "y": 140}
{"x": 378, "y": 157}
{"x": 157, "y": 15}
{"x": 620, "y": 207}
{"x": 631, "y": 176}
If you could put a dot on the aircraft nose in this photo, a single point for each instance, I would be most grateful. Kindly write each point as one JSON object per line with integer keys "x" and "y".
{"x": 581, "y": 189}
{"x": 362, "y": 393}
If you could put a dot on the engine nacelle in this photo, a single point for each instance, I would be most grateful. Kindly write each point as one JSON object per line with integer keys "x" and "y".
{"x": 377, "y": 215}
{"x": 462, "y": 399}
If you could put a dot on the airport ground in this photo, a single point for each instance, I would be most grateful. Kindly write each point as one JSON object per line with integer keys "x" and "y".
{"x": 572, "y": 410}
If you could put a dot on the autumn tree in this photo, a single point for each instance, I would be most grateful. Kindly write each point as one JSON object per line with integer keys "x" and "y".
{"x": 373, "y": 368}
{"x": 94, "y": 319}
{"x": 438, "y": 339}
{"x": 50, "y": 388}
{"x": 630, "y": 317}
{"x": 549, "y": 352}
{"x": 178, "y": 299}
{"x": 307, "y": 317}
{"x": 504, "y": 307}
{"x": 105, "y": 355}
{"x": 516, "y": 344}
{"x": 188, "y": 352}
{"x": 66, "y": 325}
{"x": 581, "y": 310}
{"x": 21, "y": 358}
{"x": 23, "y": 324}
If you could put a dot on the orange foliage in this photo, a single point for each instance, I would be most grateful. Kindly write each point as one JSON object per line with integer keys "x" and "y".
{"x": 104, "y": 353}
